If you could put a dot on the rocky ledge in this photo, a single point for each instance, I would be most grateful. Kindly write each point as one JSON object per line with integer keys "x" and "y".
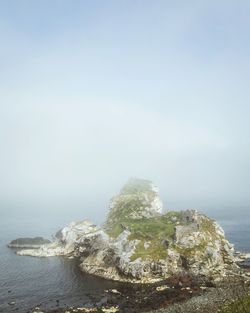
{"x": 33, "y": 243}
{"x": 139, "y": 243}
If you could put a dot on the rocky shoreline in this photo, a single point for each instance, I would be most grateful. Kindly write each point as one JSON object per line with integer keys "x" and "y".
{"x": 211, "y": 301}
{"x": 178, "y": 294}
{"x": 131, "y": 298}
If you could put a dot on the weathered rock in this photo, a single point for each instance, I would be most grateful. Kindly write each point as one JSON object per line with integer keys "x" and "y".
{"x": 65, "y": 244}
{"x": 138, "y": 199}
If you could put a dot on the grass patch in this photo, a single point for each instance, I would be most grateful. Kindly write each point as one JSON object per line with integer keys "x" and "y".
{"x": 161, "y": 227}
{"x": 115, "y": 230}
{"x": 155, "y": 251}
{"x": 189, "y": 252}
{"x": 152, "y": 228}
{"x": 208, "y": 226}
{"x": 241, "y": 305}
{"x": 153, "y": 231}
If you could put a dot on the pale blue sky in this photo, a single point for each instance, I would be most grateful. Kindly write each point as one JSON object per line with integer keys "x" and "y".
{"x": 93, "y": 92}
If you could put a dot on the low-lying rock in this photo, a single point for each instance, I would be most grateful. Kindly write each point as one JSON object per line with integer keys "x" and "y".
{"x": 33, "y": 243}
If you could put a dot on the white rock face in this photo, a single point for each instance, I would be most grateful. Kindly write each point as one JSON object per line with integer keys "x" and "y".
{"x": 156, "y": 204}
{"x": 52, "y": 249}
{"x": 70, "y": 235}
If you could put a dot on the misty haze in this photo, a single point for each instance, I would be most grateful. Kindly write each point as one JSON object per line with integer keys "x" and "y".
{"x": 124, "y": 161}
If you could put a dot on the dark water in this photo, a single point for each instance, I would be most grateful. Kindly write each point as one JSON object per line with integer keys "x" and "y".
{"x": 237, "y": 232}
{"x": 41, "y": 281}
{"x": 31, "y": 282}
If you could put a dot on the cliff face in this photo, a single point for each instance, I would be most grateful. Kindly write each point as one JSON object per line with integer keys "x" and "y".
{"x": 138, "y": 243}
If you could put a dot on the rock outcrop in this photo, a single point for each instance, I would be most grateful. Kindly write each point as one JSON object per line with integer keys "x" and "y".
{"x": 33, "y": 243}
{"x": 66, "y": 240}
{"x": 138, "y": 199}
{"x": 139, "y": 243}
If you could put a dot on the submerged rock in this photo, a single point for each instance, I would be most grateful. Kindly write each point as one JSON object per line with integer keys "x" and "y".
{"x": 33, "y": 243}
{"x": 139, "y": 243}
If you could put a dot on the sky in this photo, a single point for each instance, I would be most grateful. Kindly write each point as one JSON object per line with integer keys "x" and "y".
{"x": 95, "y": 92}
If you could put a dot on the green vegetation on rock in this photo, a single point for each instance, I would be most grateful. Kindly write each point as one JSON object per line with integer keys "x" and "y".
{"x": 146, "y": 228}
{"x": 152, "y": 233}
{"x": 161, "y": 227}
{"x": 208, "y": 226}
{"x": 189, "y": 252}
{"x": 137, "y": 199}
{"x": 241, "y": 305}
{"x": 187, "y": 235}
{"x": 155, "y": 251}
{"x": 124, "y": 206}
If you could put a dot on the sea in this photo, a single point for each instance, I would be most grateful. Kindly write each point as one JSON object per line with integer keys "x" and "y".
{"x": 48, "y": 283}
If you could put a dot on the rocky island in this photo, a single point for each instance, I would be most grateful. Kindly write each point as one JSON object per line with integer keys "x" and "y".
{"x": 160, "y": 258}
{"x": 139, "y": 243}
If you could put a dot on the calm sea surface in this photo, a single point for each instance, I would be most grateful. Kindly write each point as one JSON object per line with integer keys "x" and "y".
{"x": 32, "y": 281}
